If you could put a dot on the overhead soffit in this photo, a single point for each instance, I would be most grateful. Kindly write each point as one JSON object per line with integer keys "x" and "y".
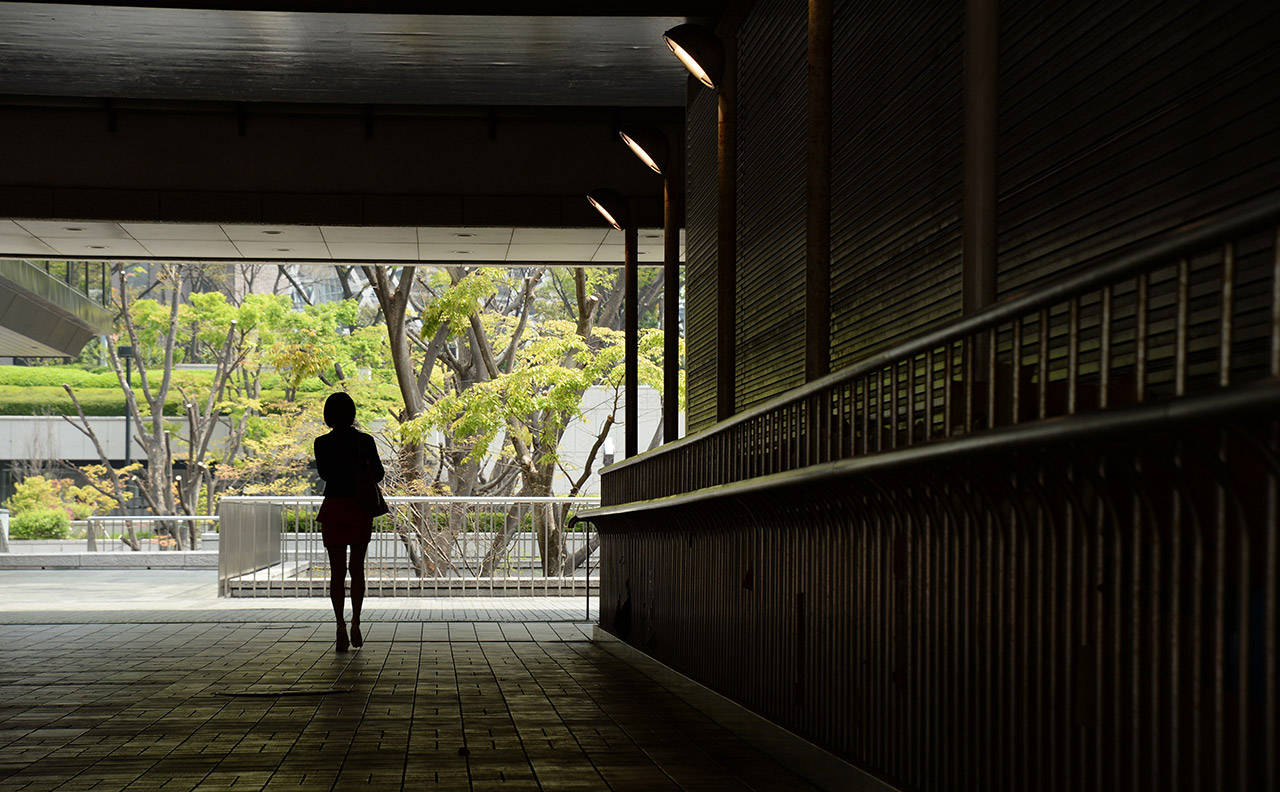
{"x": 323, "y": 244}
{"x": 256, "y": 55}
{"x": 318, "y": 53}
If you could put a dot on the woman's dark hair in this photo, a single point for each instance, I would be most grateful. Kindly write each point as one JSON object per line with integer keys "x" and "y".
{"x": 339, "y": 411}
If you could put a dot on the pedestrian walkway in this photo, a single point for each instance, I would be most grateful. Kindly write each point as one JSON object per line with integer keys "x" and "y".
{"x": 250, "y": 695}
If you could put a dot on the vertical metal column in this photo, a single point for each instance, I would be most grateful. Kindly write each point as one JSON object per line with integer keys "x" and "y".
{"x": 673, "y": 211}
{"x": 632, "y": 369}
{"x": 727, "y": 237}
{"x": 817, "y": 278}
{"x": 981, "y": 80}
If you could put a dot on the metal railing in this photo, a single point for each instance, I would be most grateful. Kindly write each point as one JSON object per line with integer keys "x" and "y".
{"x": 1194, "y": 312}
{"x": 426, "y": 546}
{"x": 1034, "y": 549}
{"x": 1085, "y": 604}
{"x": 90, "y": 278}
{"x": 138, "y": 532}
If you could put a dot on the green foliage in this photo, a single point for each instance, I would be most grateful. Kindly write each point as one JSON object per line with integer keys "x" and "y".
{"x": 39, "y": 494}
{"x": 488, "y": 522}
{"x": 303, "y": 521}
{"x": 40, "y": 524}
{"x": 32, "y": 494}
{"x": 15, "y": 400}
{"x": 456, "y": 304}
{"x": 29, "y": 390}
{"x": 543, "y": 392}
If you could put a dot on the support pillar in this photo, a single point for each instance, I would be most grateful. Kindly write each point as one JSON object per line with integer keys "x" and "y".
{"x": 727, "y": 238}
{"x": 981, "y": 80}
{"x": 673, "y": 211}
{"x": 632, "y": 352}
{"x": 817, "y": 279}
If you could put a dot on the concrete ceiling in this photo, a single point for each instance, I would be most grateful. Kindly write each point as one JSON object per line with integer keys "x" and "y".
{"x": 353, "y": 53}
{"x": 322, "y": 244}
{"x": 554, "y": 58}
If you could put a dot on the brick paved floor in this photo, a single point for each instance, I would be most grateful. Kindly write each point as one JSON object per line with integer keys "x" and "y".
{"x": 257, "y": 699}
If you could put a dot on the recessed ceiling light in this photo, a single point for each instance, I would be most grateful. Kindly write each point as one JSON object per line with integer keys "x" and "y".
{"x": 73, "y": 228}
{"x": 464, "y": 236}
{"x": 273, "y": 233}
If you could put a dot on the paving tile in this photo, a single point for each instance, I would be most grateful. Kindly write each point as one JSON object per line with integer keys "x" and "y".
{"x": 252, "y": 702}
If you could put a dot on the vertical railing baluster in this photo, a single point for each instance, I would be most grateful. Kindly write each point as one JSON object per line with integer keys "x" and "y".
{"x": 1180, "y": 328}
{"x": 1104, "y": 348}
{"x": 1140, "y": 349}
{"x": 867, "y": 415}
{"x": 1275, "y": 304}
{"x": 947, "y": 401}
{"x": 992, "y": 337}
{"x": 879, "y": 417}
{"x": 1228, "y": 313}
{"x": 911, "y": 400}
{"x": 893, "y": 404}
{"x": 838, "y": 425}
{"x": 928, "y": 395}
{"x": 1042, "y": 372}
{"x": 1073, "y": 353}
{"x": 1016, "y": 374}
{"x": 969, "y": 377}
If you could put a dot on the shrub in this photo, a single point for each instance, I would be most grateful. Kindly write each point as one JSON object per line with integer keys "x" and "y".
{"x": 37, "y": 493}
{"x": 34, "y": 493}
{"x": 41, "y": 524}
{"x": 490, "y": 522}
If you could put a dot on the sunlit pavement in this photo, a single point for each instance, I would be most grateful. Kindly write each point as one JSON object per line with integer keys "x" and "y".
{"x": 146, "y": 680}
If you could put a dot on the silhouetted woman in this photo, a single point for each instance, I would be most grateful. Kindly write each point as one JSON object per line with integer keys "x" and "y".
{"x": 340, "y": 456}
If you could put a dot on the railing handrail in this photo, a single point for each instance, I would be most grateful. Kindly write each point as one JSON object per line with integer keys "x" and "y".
{"x": 421, "y": 498}
{"x": 151, "y": 517}
{"x": 1109, "y": 267}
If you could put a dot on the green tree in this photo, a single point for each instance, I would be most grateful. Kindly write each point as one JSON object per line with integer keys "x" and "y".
{"x": 509, "y": 382}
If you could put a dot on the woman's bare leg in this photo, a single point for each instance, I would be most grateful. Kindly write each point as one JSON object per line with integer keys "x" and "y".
{"x": 337, "y": 589}
{"x": 358, "y": 552}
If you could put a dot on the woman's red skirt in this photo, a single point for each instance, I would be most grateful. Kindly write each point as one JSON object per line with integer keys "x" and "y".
{"x": 343, "y": 522}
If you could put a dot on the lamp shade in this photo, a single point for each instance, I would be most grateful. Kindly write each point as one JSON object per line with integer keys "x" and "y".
{"x": 612, "y": 205}
{"x": 649, "y": 144}
{"x": 699, "y": 50}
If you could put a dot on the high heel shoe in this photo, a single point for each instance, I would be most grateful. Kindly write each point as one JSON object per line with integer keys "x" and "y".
{"x": 357, "y": 640}
{"x": 343, "y": 642}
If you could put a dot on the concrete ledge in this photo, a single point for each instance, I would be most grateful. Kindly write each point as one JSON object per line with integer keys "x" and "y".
{"x": 797, "y": 754}
{"x": 186, "y": 559}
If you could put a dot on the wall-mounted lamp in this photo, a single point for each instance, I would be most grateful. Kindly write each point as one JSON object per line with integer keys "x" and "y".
{"x": 616, "y": 210}
{"x": 699, "y": 50}
{"x": 713, "y": 62}
{"x": 613, "y": 205}
{"x": 649, "y": 144}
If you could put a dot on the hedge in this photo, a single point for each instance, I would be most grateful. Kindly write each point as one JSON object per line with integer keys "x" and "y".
{"x": 105, "y": 378}
{"x": 40, "y": 524}
{"x": 37, "y": 400}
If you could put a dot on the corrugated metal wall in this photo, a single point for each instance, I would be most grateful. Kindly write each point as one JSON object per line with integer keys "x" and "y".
{"x": 1117, "y": 122}
{"x": 897, "y": 168}
{"x": 772, "y": 62}
{"x": 1122, "y": 120}
{"x": 700, "y": 259}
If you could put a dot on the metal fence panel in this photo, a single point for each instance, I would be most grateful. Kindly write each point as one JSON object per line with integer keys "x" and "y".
{"x": 426, "y": 546}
